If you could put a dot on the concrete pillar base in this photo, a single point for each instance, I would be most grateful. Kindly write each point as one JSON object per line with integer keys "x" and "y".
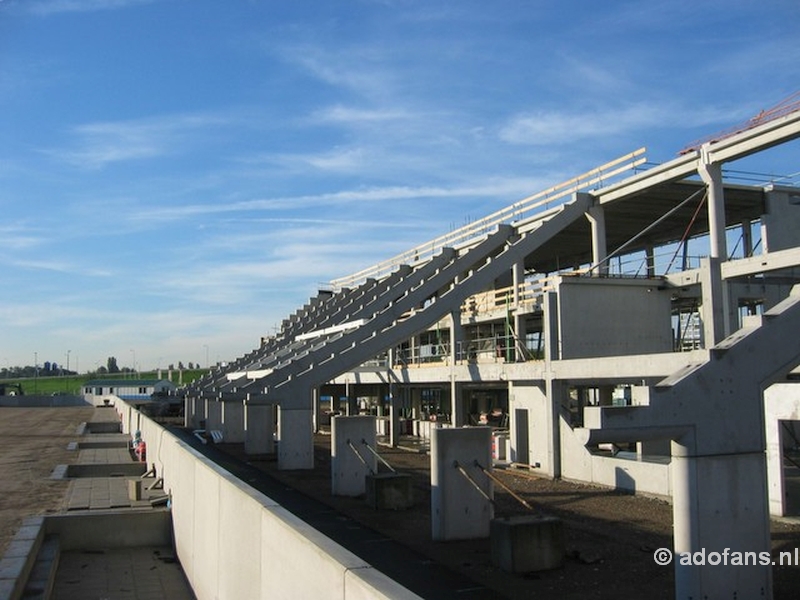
{"x": 233, "y": 422}
{"x": 351, "y": 460}
{"x": 295, "y": 438}
{"x": 719, "y": 510}
{"x": 460, "y": 491}
{"x": 259, "y": 429}
{"x": 527, "y": 543}
{"x": 389, "y": 491}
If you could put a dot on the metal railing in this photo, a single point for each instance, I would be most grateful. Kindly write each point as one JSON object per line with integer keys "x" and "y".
{"x": 522, "y": 210}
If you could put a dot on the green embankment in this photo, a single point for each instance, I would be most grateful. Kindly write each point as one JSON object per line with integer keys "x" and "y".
{"x": 73, "y": 384}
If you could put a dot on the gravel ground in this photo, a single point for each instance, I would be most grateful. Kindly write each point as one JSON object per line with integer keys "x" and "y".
{"x": 611, "y": 536}
{"x": 32, "y": 442}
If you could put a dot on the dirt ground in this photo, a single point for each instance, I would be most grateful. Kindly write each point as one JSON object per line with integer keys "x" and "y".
{"x": 611, "y": 536}
{"x": 32, "y": 442}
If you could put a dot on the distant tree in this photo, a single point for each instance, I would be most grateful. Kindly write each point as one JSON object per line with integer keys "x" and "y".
{"x": 112, "y": 364}
{"x": 180, "y": 365}
{"x": 190, "y": 365}
{"x": 171, "y": 366}
{"x": 46, "y": 365}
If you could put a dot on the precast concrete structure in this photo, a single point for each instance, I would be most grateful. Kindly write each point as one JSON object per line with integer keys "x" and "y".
{"x": 235, "y": 542}
{"x": 622, "y": 328}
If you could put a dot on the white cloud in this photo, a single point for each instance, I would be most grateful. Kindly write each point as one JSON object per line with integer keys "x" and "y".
{"x": 545, "y": 128}
{"x": 99, "y": 144}
{"x": 344, "y": 114}
{"x": 59, "y": 266}
{"x": 17, "y": 236}
{"x": 46, "y": 8}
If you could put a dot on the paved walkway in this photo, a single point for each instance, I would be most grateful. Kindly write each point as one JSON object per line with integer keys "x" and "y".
{"x": 121, "y": 574}
{"x": 36, "y": 441}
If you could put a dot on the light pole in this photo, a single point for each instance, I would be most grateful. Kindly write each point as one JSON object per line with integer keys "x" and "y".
{"x": 206, "y": 347}
{"x": 66, "y": 375}
{"x": 134, "y": 362}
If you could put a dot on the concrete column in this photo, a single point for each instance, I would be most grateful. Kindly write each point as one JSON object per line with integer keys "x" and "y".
{"x": 597, "y": 221}
{"x": 416, "y": 403}
{"x": 554, "y": 390}
{"x": 650, "y": 258}
{"x": 259, "y": 428}
{"x": 315, "y": 404}
{"x": 550, "y": 326}
{"x": 394, "y": 411}
{"x": 711, "y": 174}
{"x": 458, "y": 509}
{"x": 456, "y": 334}
{"x": 352, "y": 404}
{"x": 519, "y": 321}
{"x": 747, "y": 239}
{"x": 233, "y": 422}
{"x": 457, "y": 417}
{"x": 351, "y": 461}
{"x": 295, "y": 438}
{"x": 720, "y": 508}
{"x": 213, "y": 415}
{"x": 201, "y": 405}
{"x": 714, "y": 308}
{"x": 190, "y": 417}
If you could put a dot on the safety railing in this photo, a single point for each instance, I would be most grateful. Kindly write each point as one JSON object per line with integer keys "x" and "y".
{"x": 522, "y": 210}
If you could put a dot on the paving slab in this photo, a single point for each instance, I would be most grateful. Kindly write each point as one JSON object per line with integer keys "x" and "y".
{"x": 122, "y": 574}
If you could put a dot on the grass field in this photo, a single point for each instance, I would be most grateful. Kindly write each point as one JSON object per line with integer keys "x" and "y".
{"x": 73, "y": 384}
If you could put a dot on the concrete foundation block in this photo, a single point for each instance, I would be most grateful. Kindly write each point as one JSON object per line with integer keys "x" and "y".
{"x": 390, "y": 491}
{"x": 527, "y": 543}
{"x": 135, "y": 489}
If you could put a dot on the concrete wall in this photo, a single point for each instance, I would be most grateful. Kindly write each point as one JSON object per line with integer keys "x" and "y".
{"x": 234, "y": 542}
{"x": 578, "y": 464}
{"x": 781, "y": 220}
{"x": 781, "y": 403}
{"x": 612, "y": 317}
{"x": 531, "y": 397}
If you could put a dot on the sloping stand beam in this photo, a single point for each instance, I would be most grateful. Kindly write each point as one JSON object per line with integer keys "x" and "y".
{"x": 467, "y": 275}
{"x": 292, "y": 386}
{"x": 713, "y": 412}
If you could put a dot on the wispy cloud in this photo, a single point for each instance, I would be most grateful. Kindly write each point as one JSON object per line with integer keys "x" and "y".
{"x": 46, "y": 8}
{"x": 366, "y": 195}
{"x": 17, "y": 236}
{"x": 554, "y": 128}
{"x": 102, "y": 143}
{"x": 361, "y": 69}
{"x": 59, "y": 266}
{"x": 346, "y": 114}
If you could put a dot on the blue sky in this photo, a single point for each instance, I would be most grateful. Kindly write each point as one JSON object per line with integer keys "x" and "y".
{"x": 178, "y": 176}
